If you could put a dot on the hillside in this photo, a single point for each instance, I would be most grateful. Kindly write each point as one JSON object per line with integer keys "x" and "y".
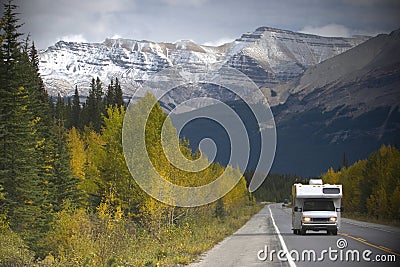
{"x": 345, "y": 106}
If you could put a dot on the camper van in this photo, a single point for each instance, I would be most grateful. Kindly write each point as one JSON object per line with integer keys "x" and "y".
{"x": 316, "y": 207}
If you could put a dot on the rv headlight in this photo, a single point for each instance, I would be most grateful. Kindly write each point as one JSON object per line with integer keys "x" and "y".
{"x": 306, "y": 219}
{"x": 332, "y": 219}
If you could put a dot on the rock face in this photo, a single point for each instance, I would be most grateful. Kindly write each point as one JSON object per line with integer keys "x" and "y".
{"x": 347, "y": 105}
{"x": 268, "y": 56}
{"x": 277, "y": 56}
{"x": 362, "y": 79}
{"x": 330, "y": 96}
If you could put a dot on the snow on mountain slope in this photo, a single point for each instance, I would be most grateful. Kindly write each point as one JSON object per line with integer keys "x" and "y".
{"x": 67, "y": 64}
{"x": 282, "y": 50}
{"x": 267, "y": 56}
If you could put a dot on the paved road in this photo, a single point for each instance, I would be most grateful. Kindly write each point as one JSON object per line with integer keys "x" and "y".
{"x": 241, "y": 248}
{"x": 379, "y": 239}
{"x": 270, "y": 231}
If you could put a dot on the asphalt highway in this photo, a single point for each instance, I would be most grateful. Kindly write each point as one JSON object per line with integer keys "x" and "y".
{"x": 357, "y": 243}
{"x": 267, "y": 239}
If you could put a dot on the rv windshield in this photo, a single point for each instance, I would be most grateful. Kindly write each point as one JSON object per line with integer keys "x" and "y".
{"x": 318, "y": 205}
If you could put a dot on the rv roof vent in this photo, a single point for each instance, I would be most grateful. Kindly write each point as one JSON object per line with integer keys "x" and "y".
{"x": 316, "y": 181}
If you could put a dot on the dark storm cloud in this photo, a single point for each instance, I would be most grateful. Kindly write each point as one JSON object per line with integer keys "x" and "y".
{"x": 204, "y": 21}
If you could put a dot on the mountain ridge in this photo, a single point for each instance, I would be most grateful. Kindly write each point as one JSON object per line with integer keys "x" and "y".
{"x": 267, "y": 56}
{"x": 346, "y": 105}
{"x": 353, "y": 76}
{"x": 329, "y": 96}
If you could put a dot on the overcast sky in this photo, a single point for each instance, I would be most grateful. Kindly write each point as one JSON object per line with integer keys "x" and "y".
{"x": 203, "y": 21}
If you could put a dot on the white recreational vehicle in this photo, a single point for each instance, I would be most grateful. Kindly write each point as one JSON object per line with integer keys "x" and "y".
{"x": 316, "y": 206}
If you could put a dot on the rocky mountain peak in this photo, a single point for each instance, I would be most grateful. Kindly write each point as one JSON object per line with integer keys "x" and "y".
{"x": 267, "y": 55}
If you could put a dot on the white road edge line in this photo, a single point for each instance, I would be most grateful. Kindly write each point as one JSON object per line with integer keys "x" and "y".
{"x": 284, "y": 247}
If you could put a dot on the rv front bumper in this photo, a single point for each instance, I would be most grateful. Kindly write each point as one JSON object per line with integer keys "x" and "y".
{"x": 319, "y": 226}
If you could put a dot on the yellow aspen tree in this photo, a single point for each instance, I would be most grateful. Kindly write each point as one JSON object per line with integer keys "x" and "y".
{"x": 331, "y": 177}
{"x": 77, "y": 153}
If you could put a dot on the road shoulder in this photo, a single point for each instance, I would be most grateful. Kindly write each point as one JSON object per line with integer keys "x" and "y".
{"x": 382, "y": 227}
{"x": 242, "y": 247}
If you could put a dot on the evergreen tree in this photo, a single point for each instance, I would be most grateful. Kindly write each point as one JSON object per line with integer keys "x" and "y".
{"x": 119, "y": 100}
{"x": 91, "y": 104}
{"x": 28, "y": 76}
{"x": 9, "y": 55}
{"x": 94, "y": 104}
{"x": 114, "y": 94}
{"x": 22, "y": 184}
{"x": 110, "y": 96}
{"x": 18, "y": 135}
{"x": 10, "y": 37}
{"x": 345, "y": 161}
{"x": 40, "y": 92}
{"x": 2, "y": 34}
{"x": 99, "y": 105}
{"x": 63, "y": 184}
{"x": 75, "y": 110}
{"x": 84, "y": 117}
{"x": 68, "y": 113}
{"x": 33, "y": 166}
{"x": 60, "y": 110}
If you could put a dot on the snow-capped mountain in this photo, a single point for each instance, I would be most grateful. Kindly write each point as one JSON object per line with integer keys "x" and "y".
{"x": 268, "y": 56}
{"x": 346, "y": 105}
{"x": 329, "y": 96}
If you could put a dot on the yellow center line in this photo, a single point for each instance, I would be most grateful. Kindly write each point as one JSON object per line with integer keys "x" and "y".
{"x": 383, "y": 247}
{"x": 371, "y": 245}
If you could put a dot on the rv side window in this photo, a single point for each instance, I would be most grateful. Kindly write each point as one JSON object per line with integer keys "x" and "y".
{"x": 331, "y": 190}
{"x": 318, "y": 205}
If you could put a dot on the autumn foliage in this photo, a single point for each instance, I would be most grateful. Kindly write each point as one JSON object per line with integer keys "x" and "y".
{"x": 371, "y": 186}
